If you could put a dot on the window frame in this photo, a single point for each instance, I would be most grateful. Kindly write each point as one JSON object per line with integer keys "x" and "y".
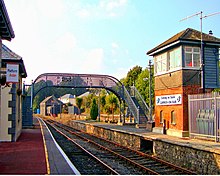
{"x": 192, "y": 53}
{"x": 161, "y": 116}
{"x": 173, "y": 117}
{"x": 159, "y": 61}
{"x": 176, "y": 54}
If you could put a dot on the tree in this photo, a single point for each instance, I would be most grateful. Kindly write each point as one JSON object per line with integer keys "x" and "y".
{"x": 132, "y": 76}
{"x": 102, "y": 101}
{"x": 112, "y": 101}
{"x": 137, "y": 74}
{"x": 79, "y": 102}
{"x": 94, "y": 110}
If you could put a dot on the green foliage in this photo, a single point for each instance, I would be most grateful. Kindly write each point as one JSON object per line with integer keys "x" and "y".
{"x": 79, "y": 102}
{"x": 132, "y": 76}
{"x": 102, "y": 102}
{"x": 141, "y": 79}
{"x": 94, "y": 110}
{"x": 44, "y": 92}
{"x": 112, "y": 103}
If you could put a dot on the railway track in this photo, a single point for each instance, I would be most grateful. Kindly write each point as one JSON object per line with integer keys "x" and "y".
{"x": 121, "y": 160}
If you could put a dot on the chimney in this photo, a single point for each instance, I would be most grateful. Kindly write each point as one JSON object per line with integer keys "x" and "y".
{"x": 210, "y": 32}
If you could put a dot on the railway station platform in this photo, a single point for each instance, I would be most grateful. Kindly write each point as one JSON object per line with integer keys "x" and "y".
{"x": 37, "y": 153}
{"x": 34, "y": 153}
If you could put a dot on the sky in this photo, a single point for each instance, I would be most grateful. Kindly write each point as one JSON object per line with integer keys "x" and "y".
{"x": 107, "y": 37}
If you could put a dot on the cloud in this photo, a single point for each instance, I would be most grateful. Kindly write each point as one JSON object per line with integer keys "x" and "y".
{"x": 93, "y": 62}
{"x": 83, "y": 13}
{"x": 104, "y": 9}
{"x": 65, "y": 43}
{"x": 115, "y": 45}
{"x": 110, "y": 5}
{"x": 51, "y": 8}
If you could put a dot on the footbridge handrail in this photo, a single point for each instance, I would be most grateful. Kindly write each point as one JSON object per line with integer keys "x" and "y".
{"x": 132, "y": 106}
{"x": 70, "y": 80}
{"x": 80, "y": 81}
{"x": 141, "y": 101}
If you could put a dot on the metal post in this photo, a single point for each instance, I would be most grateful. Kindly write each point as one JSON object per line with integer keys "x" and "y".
{"x": 32, "y": 94}
{"x": 123, "y": 118}
{"x": 216, "y": 120}
{"x": 202, "y": 62}
{"x": 138, "y": 116}
{"x": 99, "y": 107}
{"x": 23, "y": 88}
{"x": 60, "y": 107}
{"x": 150, "y": 88}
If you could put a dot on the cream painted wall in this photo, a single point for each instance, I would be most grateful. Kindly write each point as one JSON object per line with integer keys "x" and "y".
{"x": 18, "y": 110}
{"x": 5, "y": 110}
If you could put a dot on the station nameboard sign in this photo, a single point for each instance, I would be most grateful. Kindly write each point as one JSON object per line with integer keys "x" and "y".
{"x": 169, "y": 99}
{"x": 12, "y": 72}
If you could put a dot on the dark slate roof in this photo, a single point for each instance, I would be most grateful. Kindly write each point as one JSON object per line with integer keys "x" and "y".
{"x": 46, "y": 99}
{"x": 53, "y": 98}
{"x": 187, "y": 35}
{"x": 6, "y": 30}
{"x": 9, "y": 56}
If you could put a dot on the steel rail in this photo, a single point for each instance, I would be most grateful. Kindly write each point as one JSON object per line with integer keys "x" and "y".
{"x": 186, "y": 171}
{"x": 149, "y": 171}
{"x": 147, "y": 155}
{"x": 90, "y": 154}
{"x": 142, "y": 154}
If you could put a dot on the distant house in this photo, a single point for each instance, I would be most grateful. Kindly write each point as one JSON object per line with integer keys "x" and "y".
{"x": 50, "y": 106}
{"x": 68, "y": 98}
{"x": 86, "y": 94}
{"x": 178, "y": 72}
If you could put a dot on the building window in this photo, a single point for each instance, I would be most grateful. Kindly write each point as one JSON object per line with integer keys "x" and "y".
{"x": 161, "y": 116}
{"x": 192, "y": 57}
{"x": 173, "y": 117}
{"x": 175, "y": 59}
{"x": 161, "y": 63}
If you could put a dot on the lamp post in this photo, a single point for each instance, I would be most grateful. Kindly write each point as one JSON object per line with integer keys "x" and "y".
{"x": 150, "y": 89}
{"x": 60, "y": 107}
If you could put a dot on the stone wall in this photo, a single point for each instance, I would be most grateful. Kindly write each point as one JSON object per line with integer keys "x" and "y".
{"x": 198, "y": 160}
{"x": 124, "y": 139}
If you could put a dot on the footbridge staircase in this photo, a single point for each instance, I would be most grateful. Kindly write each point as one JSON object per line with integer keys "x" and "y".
{"x": 130, "y": 98}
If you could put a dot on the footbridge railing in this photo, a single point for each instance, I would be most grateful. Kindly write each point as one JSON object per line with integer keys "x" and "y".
{"x": 69, "y": 80}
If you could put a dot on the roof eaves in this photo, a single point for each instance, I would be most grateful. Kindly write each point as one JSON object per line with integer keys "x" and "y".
{"x": 10, "y": 32}
{"x": 168, "y": 42}
{"x": 188, "y": 34}
{"x": 8, "y": 53}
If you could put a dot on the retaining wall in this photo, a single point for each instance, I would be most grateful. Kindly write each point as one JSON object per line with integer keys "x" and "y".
{"x": 125, "y": 139}
{"x": 201, "y": 161}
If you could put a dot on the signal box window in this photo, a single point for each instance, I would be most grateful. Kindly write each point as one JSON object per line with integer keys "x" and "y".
{"x": 192, "y": 57}
{"x": 175, "y": 59}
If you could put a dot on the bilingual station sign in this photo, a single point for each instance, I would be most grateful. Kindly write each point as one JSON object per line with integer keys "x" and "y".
{"x": 169, "y": 99}
{"x": 12, "y": 72}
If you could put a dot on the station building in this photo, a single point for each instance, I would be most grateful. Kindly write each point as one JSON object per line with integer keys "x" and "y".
{"x": 9, "y": 127}
{"x": 51, "y": 106}
{"x": 178, "y": 72}
{"x": 11, "y": 98}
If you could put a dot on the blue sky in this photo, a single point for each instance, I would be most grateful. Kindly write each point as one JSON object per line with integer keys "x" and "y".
{"x": 99, "y": 36}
